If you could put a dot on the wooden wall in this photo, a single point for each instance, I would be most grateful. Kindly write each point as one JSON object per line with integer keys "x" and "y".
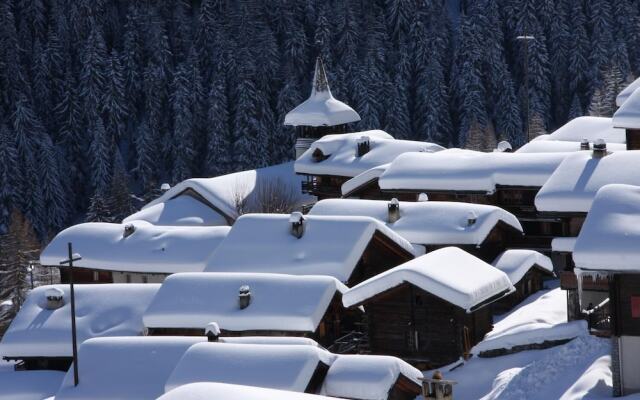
{"x": 625, "y": 304}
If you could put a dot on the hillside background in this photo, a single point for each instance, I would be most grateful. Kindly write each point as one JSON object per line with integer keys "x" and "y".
{"x": 102, "y": 99}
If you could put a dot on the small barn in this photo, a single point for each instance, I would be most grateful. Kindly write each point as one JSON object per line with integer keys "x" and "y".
{"x": 348, "y": 248}
{"x": 482, "y": 230}
{"x": 607, "y": 249}
{"x": 250, "y": 304}
{"x": 370, "y": 377}
{"x": 334, "y": 159}
{"x": 39, "y": 337}
{"x": 431, "y": 310}
{"x": 527, "y": 270}
{"x": 133, "y": 252}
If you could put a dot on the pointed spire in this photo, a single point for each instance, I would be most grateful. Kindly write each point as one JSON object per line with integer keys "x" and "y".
{"x": 320, "y": 82}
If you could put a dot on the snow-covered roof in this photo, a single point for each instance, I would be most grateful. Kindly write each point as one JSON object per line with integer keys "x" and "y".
{"x": 276, "y": 367}
{"x": 627, "y": 91}
{"x": 467, "y": 170}
{"x": 590, "y": 128}
{"x": 29, "y": 385}
{"x": 366, "y": 377}
{"x": 572, "y": 187}
{"x": 628, "y": 115}
{"x": 321, "y": 108}
{"x": 181, "y": 210}
{"x": 610, "y": 235}
{"x": 125, "y": 368}
{"x": 278, "y": 302}
{"x": 225, "y": 391}
{"x": 363, "y": 179}
{"x": 450, "y": 273}
{"x": 224, "y": 192}
{"x": 563, "y": 244}
{"x": 562, "y": 146}
{"x": 150, "y": 248}
{"x": 330, "y": 245}
{"x": 340, "y": 158}
{"x": 428, "y": 222}
{"x": 517, "y": 262}
{"x": 102, "y": 310}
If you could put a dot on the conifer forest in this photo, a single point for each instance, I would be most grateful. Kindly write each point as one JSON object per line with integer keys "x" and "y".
{"x": 101, "y": 101}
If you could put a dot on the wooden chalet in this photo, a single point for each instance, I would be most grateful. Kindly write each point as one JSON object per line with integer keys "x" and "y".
{"x": 132, "y": 252}
{"x": 607, "y": 250}
{"x": 39, "y": 337}
{"x": 527, "y": 270}
{"x": 482, "y": 230}
{"x": 506, "y": 180}
{"x": 431, "y": 310}
{"x": 251, "y": 304}
{"x": 349, "y": 248}
{"x": 627, "y": 117}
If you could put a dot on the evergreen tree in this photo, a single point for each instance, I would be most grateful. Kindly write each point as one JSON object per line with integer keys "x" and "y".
{"x": 182, "y": 141}
{"x": 98, "y": 210}
{"x": 100, "y": 157}
{"x": 9, "y": 175}
{"x": 115, "y": 102}
{"x": 119, "y": 203}
{"x": 93, "y": 73}
{"x": 218, "y": 159}
{"x": 147, "y": 149}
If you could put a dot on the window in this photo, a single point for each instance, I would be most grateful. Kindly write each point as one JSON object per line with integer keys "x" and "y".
{"x": 128, "y": 278}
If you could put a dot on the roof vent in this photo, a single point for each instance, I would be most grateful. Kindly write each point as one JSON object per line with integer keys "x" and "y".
{"x": 423, "y": 197}
{"x": 584, "y": 144}
{"x": 212, "y": 331}
{"x": 599, "y": 148}
{"x": 128, "y": 230}
{"x": 165, "y": 187}
{"x": 504, "y": 147}
{"x": 55, "y": 298}
{"x": 244, "y": 296}
{"x": 394, "y": 210}
{"x": 472, "y": 218}
{"x": 297, "y": 224}
{"x": 364, "y": 145}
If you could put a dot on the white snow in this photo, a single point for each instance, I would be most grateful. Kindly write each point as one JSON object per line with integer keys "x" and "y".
{"x": 321, "y": 108}
{"x": 276, "y": 367}
{"x": 29, "y": 385}
{"x": 225, "y": 391}
{"x": 610, "y": 235}
{"x": 575, "y": 182}
{"x": 125, "y": 368}
{"x": 363, "y": 179}
{"x": 517, "y": 262}
{"x": 330, "y": 245}
{"x": 428, "y": 222}
{"x": 341, "y": 150}
{"x": 628, "y": 115}
{"x": 278, "y": 302}
{"x": 272, "y": 340}
{"x": 590, "y": 128}
{"x": 562, "y": 146}
{"x": 541, "y": 317}
{"x": 224, "y": 192}
{"x": 449, "y": 273}
{"x": 626, "y": 92}
{"x": 366, "y": 377}
{"x": 181, "y": 210}
{"x": 150, "y": 248}
{"x": 101, "y": 310}
{"x": 467, "y": 170}
{"x": 563, "y": 244}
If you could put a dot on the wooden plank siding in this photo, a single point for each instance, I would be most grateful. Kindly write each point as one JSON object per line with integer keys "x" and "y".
{"x": 531, "y": 282}
{"x": 625, "y": 304}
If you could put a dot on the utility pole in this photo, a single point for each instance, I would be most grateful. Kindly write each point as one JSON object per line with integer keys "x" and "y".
{"x": 74, "y": 337}
{"x": 526, "y": 38}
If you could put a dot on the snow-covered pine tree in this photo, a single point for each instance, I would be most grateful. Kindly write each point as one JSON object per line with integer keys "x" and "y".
{"x": 218, "y": 158}
{"x": 9, "y": 174}
{"x": 601, "y": 28}
{"x": 119, "y": 202}
{"x": 398, "y": 121}
{"x": 50, "y": 185}
{"x": 579, "y": 66}
{"x": 93, "y": 73}
{"x": 147, "y": 162}
{"x": 182, "y": 144}
{"x": 100, "y": 151}
{"x": 98, "y": 210}
{"x": 245, "y": 120}
{"x": 115, "y": 101}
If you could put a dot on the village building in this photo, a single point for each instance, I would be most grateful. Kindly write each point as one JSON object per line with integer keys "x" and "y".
{"x": 226, "y": 391}
{"x": 628, "y": 118}
{"x": 482, "y": 230}
{"x": 561, "y": 146}
{"x": 39, "y": 338}
{"x": 334, "y": 159}
{"x": 527, "y": 270}
{"x": 133, "y": 252}
{"x": 222, "y": 199}
{"x": 251, "y": 304}
{"x": 365, "y": 185}
{"x": 506, "y": 180}
{"x": 370, "y": 377}
{"x": 321, "y": 114}
{"x": 626, "y": 92}
{"x": 607, "y": 249}
{"x": 348, "y": 248}
{"x": 431, "y": 310}
{"x": 587, "y": 129}
{"x": 568, "y": 196}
